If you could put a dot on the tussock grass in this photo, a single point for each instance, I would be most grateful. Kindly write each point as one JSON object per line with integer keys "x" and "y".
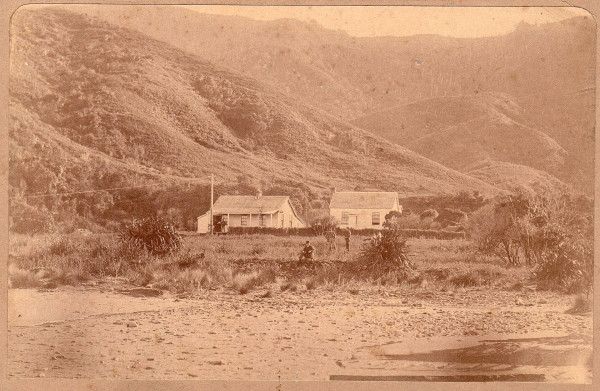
{"x": 19, "y": 278}
{"x": 581, "y": 305}
{"x": 245, "y": 282}
{"x": 288, "y": 286}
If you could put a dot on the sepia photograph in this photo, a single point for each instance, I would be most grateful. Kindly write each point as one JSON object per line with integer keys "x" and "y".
{"x": 301, "y": 193}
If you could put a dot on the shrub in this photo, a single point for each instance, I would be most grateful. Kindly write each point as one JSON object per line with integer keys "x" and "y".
{"x": 568, "y": 266}
{"x": 392, "y": 219}
{"x": 385, "y": 252}
{"x": 495, "y": 228}
{"x": 553, "y": 234}
{"x": 27, "y": 219}
{"x": 429, "y": 214}
{"x": 153, "y": 234}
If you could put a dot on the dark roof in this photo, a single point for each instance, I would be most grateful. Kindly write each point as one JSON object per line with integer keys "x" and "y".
{"x": 233, "y": 204}
{"x": 363, "y": 200}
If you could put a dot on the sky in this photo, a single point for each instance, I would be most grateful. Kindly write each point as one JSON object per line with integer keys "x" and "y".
{"x": 369, "y": 21}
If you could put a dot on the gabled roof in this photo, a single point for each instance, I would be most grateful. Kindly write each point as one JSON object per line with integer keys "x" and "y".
{"x": 235, "y": 204}
{"x": 363, "y": 200}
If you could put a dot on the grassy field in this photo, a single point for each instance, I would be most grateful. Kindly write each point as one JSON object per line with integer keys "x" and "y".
{"x": 245, "y": 263}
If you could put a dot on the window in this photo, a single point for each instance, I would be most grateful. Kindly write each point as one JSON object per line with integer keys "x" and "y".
{"x": 244, "y": 220}
{"x": 344, "y": 217}
{"x": 375, "y": 218}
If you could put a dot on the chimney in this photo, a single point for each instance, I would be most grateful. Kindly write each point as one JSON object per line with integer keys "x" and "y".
{"x": 258, "y": 194}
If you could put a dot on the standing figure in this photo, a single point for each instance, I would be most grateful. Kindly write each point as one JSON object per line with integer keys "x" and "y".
{"x": 330, "y": 236}
{"x": 347, "y": 234}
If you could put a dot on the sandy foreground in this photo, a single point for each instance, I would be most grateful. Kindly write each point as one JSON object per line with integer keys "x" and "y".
{"x": 388, "y": 334}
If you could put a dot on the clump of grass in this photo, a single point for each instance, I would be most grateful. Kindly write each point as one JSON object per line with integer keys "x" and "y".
{"x": 189, "y": 259}
{"x": 68, "y": 277}
{"x": 245, "y": 282}
{"x": 222, "y": 248}
{"x": 393, "y": 278}
{"x": 581, "y": 305}
{"x": 354, "y": 291}
{"x": 63, "y": 246}
{"x": 311, "y": 284}
{"x": 257, "y": 250}
{"x": 19, "y": 278}
{"x": 288, "y": 286}
{"x": 184, "y": 281}
{"x": 336, "y": 274}
{"x": 469, "y": 275}
{"x": 475, "y": 277}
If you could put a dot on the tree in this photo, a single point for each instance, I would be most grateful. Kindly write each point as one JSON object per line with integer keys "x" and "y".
{"x": 495, "y": 230}
{"x": 553, "y": 235}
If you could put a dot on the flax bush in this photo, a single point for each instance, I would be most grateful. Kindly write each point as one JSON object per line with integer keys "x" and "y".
{"x": 385, "y": 252}
{"x": 153, "y": 234}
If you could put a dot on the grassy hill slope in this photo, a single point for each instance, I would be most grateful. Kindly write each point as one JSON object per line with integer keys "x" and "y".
{"x": 465, "y": 131}
{"x": 517, "y": 178}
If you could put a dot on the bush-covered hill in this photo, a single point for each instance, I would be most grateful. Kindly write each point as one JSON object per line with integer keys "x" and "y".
{"x": 93, "y": 106}
{"x": 546, "y": 70}
{"x": 350, "y": 76}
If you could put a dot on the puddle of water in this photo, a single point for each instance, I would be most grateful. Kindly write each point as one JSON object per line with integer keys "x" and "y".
{"x": 536, "y": 352}
{"x": 566, "y": 358}
{"x": 519, "y": 377}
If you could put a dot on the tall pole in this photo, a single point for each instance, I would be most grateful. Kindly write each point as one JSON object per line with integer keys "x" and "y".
{"x": 212, "y": 190}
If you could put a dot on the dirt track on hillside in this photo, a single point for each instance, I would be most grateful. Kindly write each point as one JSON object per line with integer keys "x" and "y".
{"x": 97, "y": 332}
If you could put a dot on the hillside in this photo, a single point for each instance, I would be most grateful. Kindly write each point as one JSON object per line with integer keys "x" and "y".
{"x": 516, "y": 178}
{"x": 351, "y": 76}
{"x": 93, "y": 106}
{"x": 362, "y": 77}
{"x": 465, "y": 130}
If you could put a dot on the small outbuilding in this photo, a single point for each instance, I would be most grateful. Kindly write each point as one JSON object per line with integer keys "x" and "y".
{"x": 250, "y": 211}
{"x": 362, "y": 209}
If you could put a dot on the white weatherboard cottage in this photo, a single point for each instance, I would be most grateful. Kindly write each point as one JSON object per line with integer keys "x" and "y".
{"x": 250, "y": 211}
{"x": 362, "y": 209}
